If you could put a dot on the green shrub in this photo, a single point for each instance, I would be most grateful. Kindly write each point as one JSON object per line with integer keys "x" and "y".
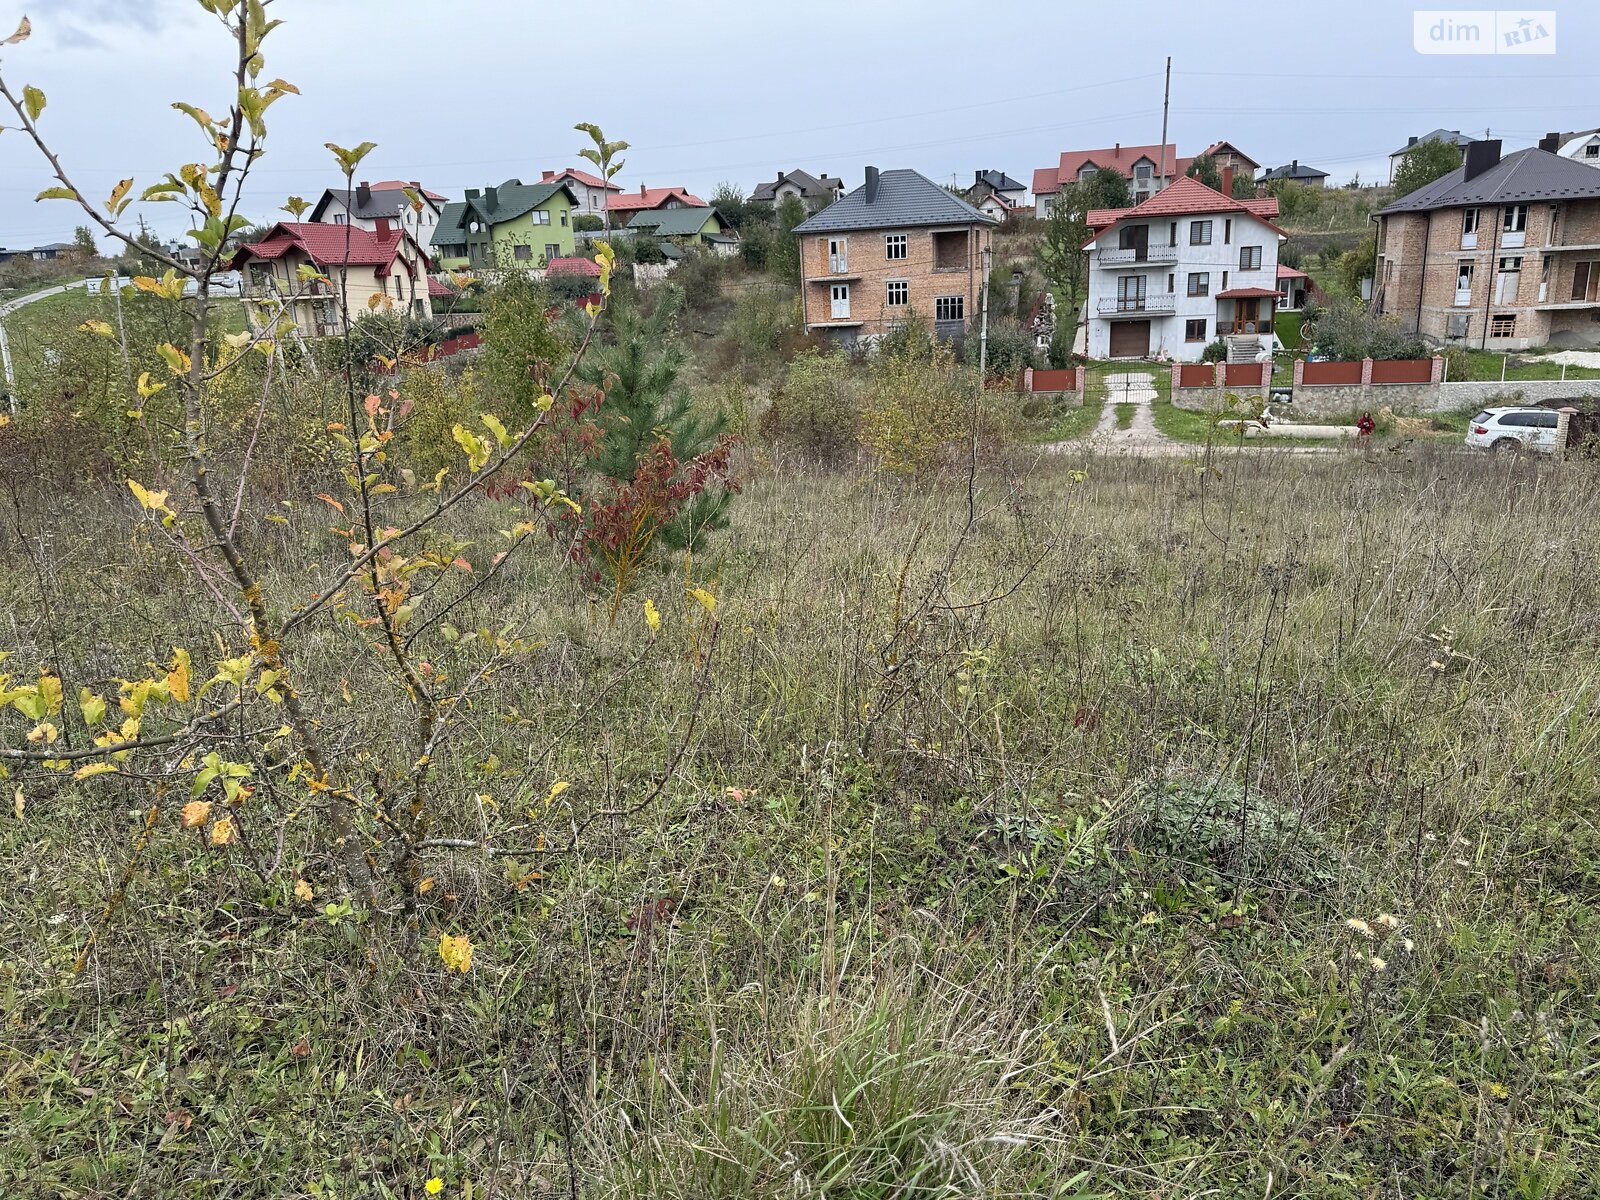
{"x": 816, "y": 408}
{"x": 587, "y": 223}
{"x": 1215, "y": 351}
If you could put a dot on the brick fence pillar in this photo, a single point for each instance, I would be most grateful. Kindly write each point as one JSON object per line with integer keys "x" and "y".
{"x": 1563, "y": 428}
{"x": 1438, "y": 370}
{"x": 1027, "y": 379}
{"x": 1079, "y": 380}
{"x": 1177, "y": 377}
{"x": 1366, "y": 372}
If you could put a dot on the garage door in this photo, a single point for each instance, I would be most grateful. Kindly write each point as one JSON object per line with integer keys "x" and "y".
{"x": 1130, "y": 339}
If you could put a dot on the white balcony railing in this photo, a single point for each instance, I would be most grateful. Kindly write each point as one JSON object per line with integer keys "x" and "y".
{"x": 1158, "y": 302}
{"x": 1155, "y": 254}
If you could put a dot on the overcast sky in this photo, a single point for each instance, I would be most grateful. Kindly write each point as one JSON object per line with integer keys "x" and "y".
{"x": 463, "y": 93}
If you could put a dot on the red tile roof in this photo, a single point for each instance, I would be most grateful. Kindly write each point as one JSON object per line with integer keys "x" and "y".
{"x": 1290, "y": 273}
{"x": 582, "y": 177}
{"x": 1185, "y": 197}
{"x": 646, "y": 198}
{"x": 573, "y": 266}
{"x": 1118, "y": 158}
{"x": 327, "y": 245}
{"x": 439, "y": 288}
{"x": 393, "y": 185}
{"x": 1247, "y": 293}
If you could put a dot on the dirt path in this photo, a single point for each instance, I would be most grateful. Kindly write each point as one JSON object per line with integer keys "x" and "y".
{"x": 1136, "y": 390}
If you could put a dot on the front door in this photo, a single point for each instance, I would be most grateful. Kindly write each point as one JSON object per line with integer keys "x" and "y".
{"x": 838, "y": 255}
{"x": 1247, "y": 316}
{"x": 841, "y": 301}
{"x": 1130, "y": 339}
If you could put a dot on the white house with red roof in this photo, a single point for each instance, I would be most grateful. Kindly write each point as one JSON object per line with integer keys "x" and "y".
{"x": 592, "y": 192}
{"x": 357, "y": 264}
{"x": 379, "y": 207}
{"x": 1148, "y": 170}
{"x": 1180, "y": 269}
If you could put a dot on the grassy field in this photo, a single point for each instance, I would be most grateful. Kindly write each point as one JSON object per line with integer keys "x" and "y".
{"x": 1488, "y": 366}
{"x": 1168, "y": 832}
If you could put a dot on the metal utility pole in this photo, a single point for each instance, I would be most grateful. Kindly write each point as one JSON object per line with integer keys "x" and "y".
{"x": 1166, "y": 103}
{"x": 983, "y": 376}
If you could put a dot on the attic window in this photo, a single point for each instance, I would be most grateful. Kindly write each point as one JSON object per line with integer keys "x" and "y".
{"x": 1591, "y": 150}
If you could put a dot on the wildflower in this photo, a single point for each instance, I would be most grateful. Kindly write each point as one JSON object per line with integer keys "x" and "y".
{"x": 1408, "y": 945}
{"x": 1378, "y": 964}
{"x": 1360, "y": 926}
{"x": 1388, "y": 920}
{"x": 434, "y": 1186}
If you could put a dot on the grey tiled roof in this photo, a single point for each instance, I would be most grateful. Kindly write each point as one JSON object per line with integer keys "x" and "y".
{"x": 905, "y": 198}
{"x": 1526, "y": 175}
{"x": 1293, "y": 171}
{"x": 810, "y": 186}
{"x": 678, "y": 222}
{"x": 1454, "y": 136}
{"x": 1001, "y": 182}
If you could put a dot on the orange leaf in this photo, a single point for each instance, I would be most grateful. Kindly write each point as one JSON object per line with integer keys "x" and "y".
{"x": 329, "y": 500}
{"x": 194, "y": 814}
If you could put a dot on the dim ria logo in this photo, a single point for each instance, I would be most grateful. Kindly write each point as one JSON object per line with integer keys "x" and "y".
{"x": 1483, "y": 31}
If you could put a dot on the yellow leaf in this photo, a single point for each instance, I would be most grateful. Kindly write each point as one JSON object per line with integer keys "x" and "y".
{"x": 92, "y": 707}
{"x": 155, "y": 501}
{"x": 147, "y": 387}
{"x": 177, "y": 361}
{"x": 195, "y": 814}
{"x": 94, "y": 769}
{"x": 19, "y": 805}
{"x": 425, "y": 886}
{"x": 456, "y": 952}
{"x": 50, "y": 689}
{"x": 706, "y": 599}
{"x": 652, "y": 616}
{"x": 117, "y": 193}
{"x": 556, "y": 789}
{"x": 493, "y": 425}
{"x": 33, "y": 101}
{"x": 146, "y": 284}
{"x": 302, "y": 890}
{"x": 223, "y": 832}
{"x": 99, "y": 327}
{"x": 43, "y": 732}
{"x": 178, "y": 676}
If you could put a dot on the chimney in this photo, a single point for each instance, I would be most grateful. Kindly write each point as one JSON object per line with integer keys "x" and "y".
{"x": 1227, "y": 182}
{"x": 491, "y": 198}
{"x": 1481, "y": 156}
{"x": 1550, "y": 142}
{"x": 546, "y": 176}
{"x": 1410, "y": 142}
{"x": 641, "y": 189}
{"x": 872, "y": 184}
{"x": 473, "y": 193}
{"x": 363, "y": 194}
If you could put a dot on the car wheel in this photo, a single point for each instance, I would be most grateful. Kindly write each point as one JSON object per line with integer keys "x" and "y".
{"x": 1507, "y": 446}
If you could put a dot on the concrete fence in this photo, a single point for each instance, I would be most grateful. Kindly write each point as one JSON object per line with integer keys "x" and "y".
{"x": 1201, "y": 386}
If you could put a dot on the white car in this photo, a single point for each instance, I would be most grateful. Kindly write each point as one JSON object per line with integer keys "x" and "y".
{"x": 1513, "y": 429}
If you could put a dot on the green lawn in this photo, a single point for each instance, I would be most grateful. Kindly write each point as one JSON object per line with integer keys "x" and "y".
{"x": 1489, "y": 366}
{"x": 1125, "y": 416}
{"x": 1287, "y": 326}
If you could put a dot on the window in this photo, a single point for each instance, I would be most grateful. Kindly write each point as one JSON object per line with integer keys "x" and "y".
{"x": 1227, "y": 232}
{"x": 1130, "y": 293}
{"x": 523, "y": 253}
{"x": 1503, "y": 325}
{"x": 838, "y": 255}
{"x": 894, "y": 245}
{"x": 950, "y": 308}
{"x": 1515, "y": 231}
{"x": 1507, "y": 281}
{"x": 1194, "y": 330}
{"x": 1224, "y": 281}
{"x": 541, "y": 216}
{"x": 1544, "y": 278}
{"x": 1591, "y": 151}
{"x": 1143, "y": 172}
{"x": 1172, "y": 234}
{"x": 1172, "y": 282}
{"x": 338, "y": 218}
{"x": 898, "y": 293}
{"x": 1199, "y": 233}
{"x": 551, "y": 251}
{"x": 1469, "y": 229}
{"x": 1199, "y": 283}
{"x": 1586, "y": 279}
{"x": 1049, "y": 202}
{"x": 563, "y": 216}
{"x": 1086, "y": 171}
{"x": 840, "y": 295}
{"x": 1463, "y": 283}
{"x": 1249, "y": 258}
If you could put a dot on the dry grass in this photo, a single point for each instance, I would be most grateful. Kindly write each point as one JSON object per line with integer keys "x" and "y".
{"x": 954, "y": 929}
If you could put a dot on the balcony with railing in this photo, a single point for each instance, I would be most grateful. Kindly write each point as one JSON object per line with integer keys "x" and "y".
{"x": 1131, "y": 257}
{"x": 1135, "y": 306}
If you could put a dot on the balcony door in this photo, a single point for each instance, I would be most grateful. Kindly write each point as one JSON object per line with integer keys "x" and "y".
{"x": 1137, "y": 239}
{"x": 841, "y": 302}
{"x": 838, "y": 255}
{"x": 1130, "y": 293}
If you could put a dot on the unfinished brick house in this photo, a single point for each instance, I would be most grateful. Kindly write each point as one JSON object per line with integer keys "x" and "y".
{"x": 1500, "y": 254}
{"x": 899, "y": 244}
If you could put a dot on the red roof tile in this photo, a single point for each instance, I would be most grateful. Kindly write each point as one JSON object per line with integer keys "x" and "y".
{"x": 1184, "y": 197}
{"x": 1247, "y": 293}
{"x": 1045, "y": 181}
{"x": 439, "y": 288}
{"x": 573, "y": 266}
{"x": 1290, "y": 273}
{"x": 1118, "y": 158}
{"x": 328, "y": 245}
{"x": 646, "y": 198}
{"x": 582, "y": 177}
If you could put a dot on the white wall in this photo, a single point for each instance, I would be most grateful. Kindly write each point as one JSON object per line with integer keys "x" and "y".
{"x": 1166, "y": 329}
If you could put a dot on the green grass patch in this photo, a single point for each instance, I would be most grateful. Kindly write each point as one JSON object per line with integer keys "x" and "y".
{"x": 1069, "y": 421}
{"x": 1490, "y": 366}
{"x": 1125, "y": 416}
{"x": 1287, "y": 326}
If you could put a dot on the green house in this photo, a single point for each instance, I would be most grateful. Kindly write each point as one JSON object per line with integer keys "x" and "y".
{"x": 688, "y": 227}
{"x": 513, "y": 225}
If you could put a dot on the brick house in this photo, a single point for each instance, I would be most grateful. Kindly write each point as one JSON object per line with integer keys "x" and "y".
{"x": 1184, "y": 267}
{"x": 1148, "y": 170}
{"x": 591, "y": 191}
{"x": 899, "y": 244}
{"x": 1501, "y": 254}
{"x": 1229, "y": 157}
